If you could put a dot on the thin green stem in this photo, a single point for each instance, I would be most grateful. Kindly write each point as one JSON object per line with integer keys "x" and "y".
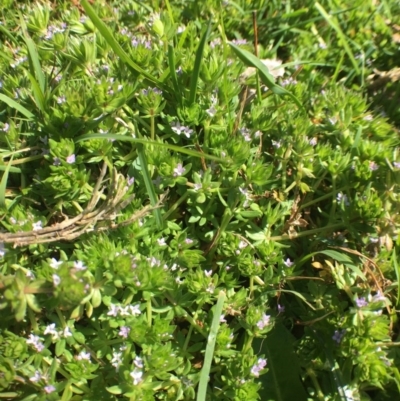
{"x": 149, "y": 312}
{"x": 314, "y": 380}
{"x": 285, "y": 237}
{"x": 175, "y": 206}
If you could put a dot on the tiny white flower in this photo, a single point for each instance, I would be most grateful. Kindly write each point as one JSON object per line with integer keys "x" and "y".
{"x": 161, "y": 241}
{"x": 36, "y": 377}
{"x": 288, "y": 263}
{"x": 83, "y": 356}
{"x": 136, "y": 375}
{"x": 55, "y": 263}
{"x": 51, "y": 329}
{"x": 56, "y": 279}
{"x": 114, "y": 309}
{"x": 2, "y": 249}
{"x": 208, "y": 273}
{"x": 78, "y": 265}
{"x": 37, "y": 226}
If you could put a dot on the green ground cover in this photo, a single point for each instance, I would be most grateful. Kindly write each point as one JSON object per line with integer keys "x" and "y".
{"x": 199, "y": 200}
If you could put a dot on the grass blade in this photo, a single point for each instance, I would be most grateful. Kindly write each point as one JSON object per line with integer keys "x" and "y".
{"x": 329, "y": 19}
{"x": 3, "y": 184}
{"x": 175, "y": 148}
{"x": 12, "y": 103}
{"x": 212, "y": 338}
{"x": 172, "y": 71}
{"x": 37, "y": 93}
{"x": 251, "y": 60}
{"x": 108, "y": 36}
{"x": 149, "y": 185}
{"x": 197, "y": 63}
{"x": 397, "y": 271}
{"x": 34, "y": 63}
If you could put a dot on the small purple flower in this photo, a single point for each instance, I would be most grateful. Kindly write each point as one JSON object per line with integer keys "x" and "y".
{"x": 71, "y": 159}
{"x": 130, "y": 180}
{"x": 396, "y": 164}
{"x": 179, "y": 170}
{"x": 61, "y": 99}
{"x": 136, "y": 375}
{"x": 49, "y": 389}
{"x": 288, "y": 263}
{"x": 281, "y": 308}
{"x": 181, "y": 129}
{"x": 215, "y": 42}
{"x": 258, "y": 367}
{"x": 239, "y": 42}
{"x": 197, "y": 186}
{"x": 114, "y": 309}
{"x": 373, "y": 166}
{"x": 36, "y": 377}
{"x": 264, "y": 321}
{"x": 124, "y": 331}
{"x": 188, "y": 241}
{"x": 36, "y": 342}
{"x": 339, "y": 334}
{"x": 313, "y": 141}
{"x": 360, "y": 302}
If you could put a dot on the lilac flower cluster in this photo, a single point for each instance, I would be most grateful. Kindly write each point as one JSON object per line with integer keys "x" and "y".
{"x": 129, "y": 310}
{"x": 181, "y": 129}
{"x": 258, "y": 367}
{"x": 264, "y": 321}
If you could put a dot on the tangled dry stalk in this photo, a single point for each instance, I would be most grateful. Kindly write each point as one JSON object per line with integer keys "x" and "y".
{"x": 87, "y": 221}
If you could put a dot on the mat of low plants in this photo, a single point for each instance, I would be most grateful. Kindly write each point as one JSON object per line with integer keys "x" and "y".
{"x": 199, "y": 200}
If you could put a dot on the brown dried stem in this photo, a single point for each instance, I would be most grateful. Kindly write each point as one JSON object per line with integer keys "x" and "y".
{"x": 88, "y": 220}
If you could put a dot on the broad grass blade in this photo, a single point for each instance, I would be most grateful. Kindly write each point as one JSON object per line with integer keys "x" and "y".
{"x": 108, "y": 36}
{"x": 329, "y": 19}
{"x": 12, "y": 103}
{"x": 282, "y": 381}
{"x": 212, "y": 338}
{"x": 197, "y": 64}
{"x": 251, "y": 60}
{"x": 146, "y": 142}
